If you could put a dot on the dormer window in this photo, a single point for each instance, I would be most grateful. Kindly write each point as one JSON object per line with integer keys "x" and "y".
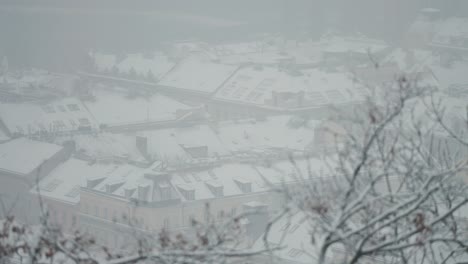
{"x": 91, "y": 183}
{"x": 196, "y": 151}
{"x": 215, "y": 187}
{"x": 244, "y": 184}
{"x": 112, "y": 187}
{"x": 129, "y": 193}
{"x": 187, "y": 191}
{"x": 165, "y": 190}
{"x": 143, "y": 191}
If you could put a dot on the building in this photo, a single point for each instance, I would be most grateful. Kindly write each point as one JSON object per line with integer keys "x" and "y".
{"x": 126, "y": 199}
{"x": 196, "y": 76}
{"x": 216, "y": 142}
{"x": 47, "y": 119}
{"x": 59, "y": 191}
{"x": 33, "y": 85}
{"x": 256, "y": 91}
{"x": 23, "y": 162}
{"x": 119, "y": 110}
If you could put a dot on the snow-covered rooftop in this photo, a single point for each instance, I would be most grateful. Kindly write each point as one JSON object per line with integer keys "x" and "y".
{"x": 225, "y": 180}
{"x": 63, "y": 183}
{"x": 23, "y": 156}
{"x": 275, "y": 132}
{"x": 104, "y": 146}
{"x": 171, "y": 144}
{"x": 223, "y": 140}
{"x": 63, "y": 115}
{"x": 118, "y": 109}
{"x": 197, "y": 74}
{"x": 253, "y": 85}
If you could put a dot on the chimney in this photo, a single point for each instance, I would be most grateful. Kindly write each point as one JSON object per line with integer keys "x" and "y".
{"x": 257, "y": 219}
{"x": 91, "y": 183}
{"x": 111, "y": 187}
{"x": 274, "y": 95}
{"x": 300, "y": 98}
{"x": 129, "y": 193}
{"x": 142, "y": 145}
{"x": 143, "y": 191}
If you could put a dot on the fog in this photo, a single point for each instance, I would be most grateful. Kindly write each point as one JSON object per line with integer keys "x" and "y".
{"x": 220, "y": 131}
{"x": 56, "y": 34}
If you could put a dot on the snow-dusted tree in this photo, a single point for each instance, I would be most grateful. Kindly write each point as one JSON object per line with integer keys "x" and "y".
{"x": 212, "y": 241}
{"x": 385, "y": 195}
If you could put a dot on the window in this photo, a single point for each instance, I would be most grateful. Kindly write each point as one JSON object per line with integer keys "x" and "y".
{"x": 64, "y": 218}
{"x": 294, "y": 252}
{"x": 165, "y": 191}
{"x": 72, "y": 123}
{"x": 96, "y": 211}
{"x": 166, "y": 223}
{"x": 74, "y": 192}
{"x": 220, "y": 214}
{"x": 233, "y": 211}
{"x": 105, "y": 213}
{"x": 58, "y": 124}
{"x": 285, "y": 226}
{"x": 245, "y": 187}
{"x": 191, "y": 219}
{"x": 52, "y": 185}
{"x": 61, "y": 108}
{"x": 86, "y": 209}
{"x": 73, "y": 107}
{"x": 84, "y": 121}
{"x": 294, "y": 228}
{"x": 48, "y": 109}
{"x": 189, "y": 195}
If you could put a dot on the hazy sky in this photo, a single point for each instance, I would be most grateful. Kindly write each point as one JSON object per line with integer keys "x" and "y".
{"x": 56, "y": 33}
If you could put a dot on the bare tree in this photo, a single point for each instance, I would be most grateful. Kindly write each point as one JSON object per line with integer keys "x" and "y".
{"x": 385, "y": 194}
{"x": 208, "y": 242}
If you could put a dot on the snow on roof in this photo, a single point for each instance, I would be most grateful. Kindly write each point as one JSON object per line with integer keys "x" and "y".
{"x": 231, "y": 179}
{"x": 108, "y": 145}
{"x": 197, "y": 74}
{"x": 223, "y": 140}
{"x": 113, "y": 109}
{"x": 22, "y": 155}
{"x": 171, "y": 143}
{"x": 63, "y": 183}
{"x": 158, "y": 64}
{"x": 230, "y": 138}
{"x": 275, "y": 132}
{"x": 252, "y": 85}
{"x": 119, "y": 177}
{"x": 67, "y": 114}
{"x": 231, "y": 176}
